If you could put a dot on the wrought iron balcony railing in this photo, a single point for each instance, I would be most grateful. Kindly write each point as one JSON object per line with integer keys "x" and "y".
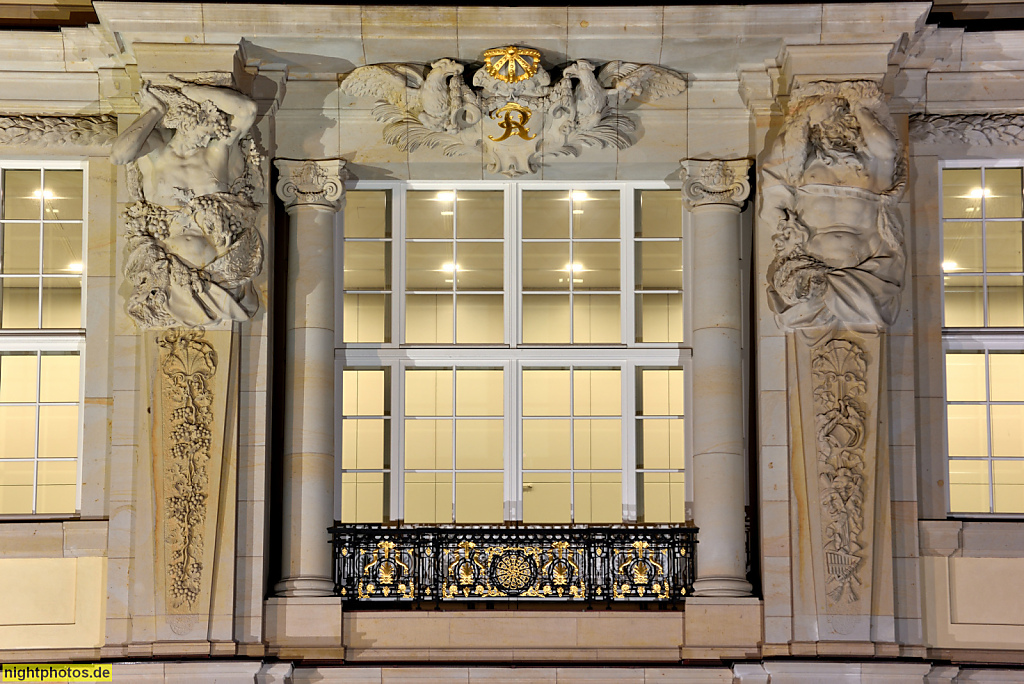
{"x": 375, "y": 564}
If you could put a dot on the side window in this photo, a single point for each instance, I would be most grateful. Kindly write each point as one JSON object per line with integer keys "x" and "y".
{"x": 983, "y": 337}
{"x": 42, "y": 231}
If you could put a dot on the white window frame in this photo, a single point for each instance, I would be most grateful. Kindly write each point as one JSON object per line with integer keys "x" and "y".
{"x": 983, "y": 339}
{"x": 511, "y": 355}
{"x": 55, "y": 339}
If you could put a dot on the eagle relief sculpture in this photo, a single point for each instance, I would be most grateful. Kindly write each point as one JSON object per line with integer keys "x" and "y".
{"x": 532, "y": 119}
{"x": 192, "y": 240}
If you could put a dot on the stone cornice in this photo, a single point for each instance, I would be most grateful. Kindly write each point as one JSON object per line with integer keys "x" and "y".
{"x": 311, "y": 182}
{"x": 715, "y": 182}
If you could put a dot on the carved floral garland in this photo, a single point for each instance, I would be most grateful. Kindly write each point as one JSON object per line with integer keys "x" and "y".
{"x": 188, "y": 363}
{"x": 58, "y": 131}
{"x": 839, "y": 367}
{"x": 973, "y": 129}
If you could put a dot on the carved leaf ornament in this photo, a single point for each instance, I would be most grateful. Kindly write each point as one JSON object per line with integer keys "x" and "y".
{"x": 439, "y": 110}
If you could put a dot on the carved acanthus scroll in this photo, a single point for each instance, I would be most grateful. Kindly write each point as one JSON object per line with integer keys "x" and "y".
{"x": 970, "y": 129}
{"x": 438, "y": 110}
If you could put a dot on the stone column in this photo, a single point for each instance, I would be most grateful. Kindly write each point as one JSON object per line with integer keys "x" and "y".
{"x": 313, "y": 192}
{"x": 714, "y": 192}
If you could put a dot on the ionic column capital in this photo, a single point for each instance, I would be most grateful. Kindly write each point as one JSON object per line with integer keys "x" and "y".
{"x": 311, "y": 182}
{"x": 715, "y": 182}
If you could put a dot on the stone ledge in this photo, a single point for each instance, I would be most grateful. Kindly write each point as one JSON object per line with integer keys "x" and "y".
{"x": 724, "y": 622}
{"x": 304, "y": 623}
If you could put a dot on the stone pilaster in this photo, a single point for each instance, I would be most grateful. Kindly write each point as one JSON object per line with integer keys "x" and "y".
{"x": 714, "y": 193}
{"x": 313, "y": 192}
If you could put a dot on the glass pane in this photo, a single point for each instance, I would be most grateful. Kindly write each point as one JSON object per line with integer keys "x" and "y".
{"x": 597, "y": 498}
{"x": 58, "y": 431}
{"x": 480, "y": 319}
{"x": 364, "y": 497}
{"x": 20, "y": 302}
{"x": 429, "y": 266}
{"x": 367, "y": 213}
{"x": 965, "y": 376}
{"x": 546, "y": 266}
{"x": 18, "y": 377}
{"x": 480, "y": 266}
{"x": 545, "y": 214}
{"x": 659, "y": 213}
{"x": 428, "y": 445}
{"x": 18, "y": 432}
{"x": 662, "y": 497}
{"x": 968, "y": 487}
{"x": 1008, "y": 486}
{"x": 964, "y": 306}
{"x": 660, "y": 265}
{"x": 428, "y": 319}
{"x": 1002, "y": 193}
{"x": 1008, "y": 431}
{"x": 20, "y": 248}
{"x": 22, "y": 194}
{"x": 596, "y": 319}
{"x": 15, "y": 500}
{"x": 547, "y": 498}
{"x": 967, "y": 430}
{"x": 1006, "y": 376}
{"x": 59, "y": 376}
{"x": 58, "y": 472}
{"x": 545, "y": 392}
{"x": 479, "y": 392}
{"x": 961, "y": 193}
{"x": 597, "y": 444}
{"x": 546, "y": 445}
{"x": 62, "y": 248}
{"x": 595, "y": 266}
{"x": 961, "y": 246}
{"x": 62, "y": 195}
{"x": 597, "y": 392}
{"x": 661, "y": 444}
{"x": 428, "y": 498}
{"x": 363, "y": 392}
{"x": 367, "y": 318}
{"x": 546, "y": 319}
{"x": 479, "y": 445}
{"x": 62, "y": 302}
{"x": 363, "y": 444}
{"x": 479, "y": 498}
{"x": 367, "y": 265}
{"x": 481, "y": 214}
{"x": 428, "y": 392}
{"x": 429, "y": 214}
{"x": 660, "y": 317}
{"x": 1006, "y": 301}
{"x": 595, "y": 214}
{"x": 1003, "y": 246}
{"x": 661, "y": 392}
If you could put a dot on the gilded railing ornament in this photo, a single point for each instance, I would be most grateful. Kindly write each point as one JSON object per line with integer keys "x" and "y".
{"x": 437, "y": 109}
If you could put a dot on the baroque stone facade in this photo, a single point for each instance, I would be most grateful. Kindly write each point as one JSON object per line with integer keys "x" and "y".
{"x": 216, "y": 531}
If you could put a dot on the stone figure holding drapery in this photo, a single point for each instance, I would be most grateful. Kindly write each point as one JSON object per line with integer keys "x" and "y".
{"x": 193, "y": 244}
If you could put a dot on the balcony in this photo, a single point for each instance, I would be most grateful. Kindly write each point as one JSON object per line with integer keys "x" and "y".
{"x": 375, "y": 565}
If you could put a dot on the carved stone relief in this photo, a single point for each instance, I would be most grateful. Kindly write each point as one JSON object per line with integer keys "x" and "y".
{"x": 971, "y": 129}
{"x": 192, "y": 239}
{"x": 58, "y": 131}
{"x": 311, "y": 181}
{"x": 533, "y": 119}
{"x": 715, "y": 182}
{"x": 830, "y": 188}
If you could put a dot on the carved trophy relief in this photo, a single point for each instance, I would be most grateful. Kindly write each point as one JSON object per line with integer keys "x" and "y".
{"x": 830, "y": 188}
{"x": 192, "y": 238}
{"x": 532, "y": 119}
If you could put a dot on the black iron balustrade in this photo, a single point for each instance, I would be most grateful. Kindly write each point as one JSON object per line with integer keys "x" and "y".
{"x": 472, "y": 564}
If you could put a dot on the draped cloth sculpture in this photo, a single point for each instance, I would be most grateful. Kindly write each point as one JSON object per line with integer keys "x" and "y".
{"x": 193, "y": 248}
{"x": 830, "y": 186}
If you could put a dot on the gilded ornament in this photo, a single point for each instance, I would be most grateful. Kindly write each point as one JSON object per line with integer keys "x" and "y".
{"x": 517, "y": 127}
{"x": 512, "y": 64}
